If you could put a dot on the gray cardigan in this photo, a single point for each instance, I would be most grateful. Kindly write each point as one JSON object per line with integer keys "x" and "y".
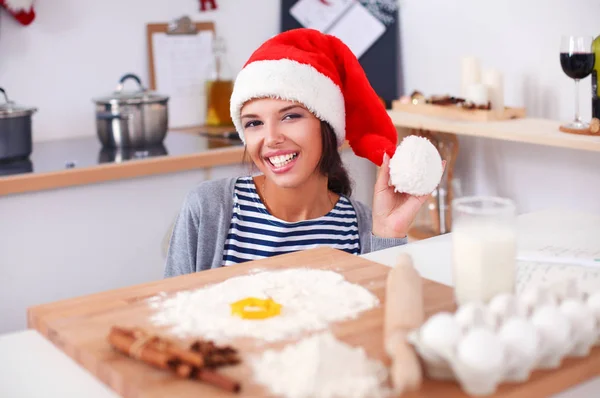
{"x": 200, "y": 231}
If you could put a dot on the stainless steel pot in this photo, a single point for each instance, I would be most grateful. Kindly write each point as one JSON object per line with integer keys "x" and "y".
{"x": 15, "y": 130}
{"x": 132, "y": 119}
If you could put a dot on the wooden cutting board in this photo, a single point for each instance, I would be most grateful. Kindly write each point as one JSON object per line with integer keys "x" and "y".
{"x": 79, "y": 327}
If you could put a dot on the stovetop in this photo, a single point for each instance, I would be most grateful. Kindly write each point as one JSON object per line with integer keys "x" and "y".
{"x": 87, "y": 152}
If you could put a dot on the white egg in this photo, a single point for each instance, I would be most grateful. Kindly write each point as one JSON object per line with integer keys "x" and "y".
{"x": 535, "y": 297}
{"x": 441, "y": 333}
{"x": 522, "y": 342}
{"x": 504, "y": 306}
{"x": 583, "y": 325}
{"x": 593, "y": 303}
{"x": 520, "y": 335}
{"x": 473, "y": 314}
{"x": 416, "y": 167}
{"x": 555, "y": 334}
{"x": 482, "y": 350}
{"x": 565, "y": 289}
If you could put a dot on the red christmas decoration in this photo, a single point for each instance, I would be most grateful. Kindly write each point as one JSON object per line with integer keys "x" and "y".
{"x": 21, "y": 10}
{"x": 203, "y": 4}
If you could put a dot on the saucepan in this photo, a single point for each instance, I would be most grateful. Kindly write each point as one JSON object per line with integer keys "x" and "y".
{"x": 132, "y": 119}
{"x": 15, "y": 130}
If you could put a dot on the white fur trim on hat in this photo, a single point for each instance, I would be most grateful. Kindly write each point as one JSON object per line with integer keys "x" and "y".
{"x": 293, "y": 81}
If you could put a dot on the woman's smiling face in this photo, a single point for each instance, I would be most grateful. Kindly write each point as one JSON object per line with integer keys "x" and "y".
{"x": 283, "y": 140}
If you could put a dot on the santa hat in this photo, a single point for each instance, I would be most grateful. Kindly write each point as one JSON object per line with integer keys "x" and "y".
{"x": 21, "y": 10}
{"x": 320, "y": 72}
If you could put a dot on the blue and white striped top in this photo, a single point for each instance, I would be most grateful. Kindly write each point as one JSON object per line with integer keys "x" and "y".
{"x": 254, "y": 233}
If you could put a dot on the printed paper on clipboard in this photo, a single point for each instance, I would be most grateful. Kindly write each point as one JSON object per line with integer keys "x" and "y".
{"x": 181, "y": 65}
{"x": 340, "y": 19}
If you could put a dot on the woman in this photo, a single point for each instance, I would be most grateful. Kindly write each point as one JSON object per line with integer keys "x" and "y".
{"x": 297, "y": 99}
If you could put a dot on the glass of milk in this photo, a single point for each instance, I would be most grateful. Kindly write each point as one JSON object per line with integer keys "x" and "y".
{"x": 484, "y": 247}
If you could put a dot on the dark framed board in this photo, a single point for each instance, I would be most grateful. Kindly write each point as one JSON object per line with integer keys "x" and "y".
{"x": 381, "y": 61}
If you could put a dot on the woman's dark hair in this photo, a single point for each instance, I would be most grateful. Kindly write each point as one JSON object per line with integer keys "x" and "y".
{"x": 330, "y": 164}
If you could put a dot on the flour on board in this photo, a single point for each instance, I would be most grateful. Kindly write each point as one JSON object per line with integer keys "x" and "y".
{"x": 321, "y": 366}
{"x": 311, "y": 299}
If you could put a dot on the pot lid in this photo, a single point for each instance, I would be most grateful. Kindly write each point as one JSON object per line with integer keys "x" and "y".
{"x": 139, "y": 96}
{"x": 10, "y": 109}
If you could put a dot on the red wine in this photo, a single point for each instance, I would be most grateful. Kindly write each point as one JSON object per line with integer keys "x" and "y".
{"x": 596, "y": 107}
{"x": 577, "y": 65}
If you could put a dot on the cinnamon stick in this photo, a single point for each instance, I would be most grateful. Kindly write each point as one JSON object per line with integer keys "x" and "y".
{"x": 190, "y": 357}
{"x": 164, "y": 354}
{"x": 184, "y": 370}
{"x": 123, "y": 342}
{"x": 217, "y": 380}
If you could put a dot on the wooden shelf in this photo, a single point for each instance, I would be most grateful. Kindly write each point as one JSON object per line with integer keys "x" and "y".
{"x": 527, "y": 130}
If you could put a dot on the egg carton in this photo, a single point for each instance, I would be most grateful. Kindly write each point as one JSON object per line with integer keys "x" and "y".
{"x": 483, "y": 345}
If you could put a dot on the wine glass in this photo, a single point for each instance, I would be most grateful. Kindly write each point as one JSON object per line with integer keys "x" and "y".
{"x": 577, "y": 61}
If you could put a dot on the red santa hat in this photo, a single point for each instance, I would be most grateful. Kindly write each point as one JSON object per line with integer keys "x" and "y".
{"x": 320, "y": 72}
{"x": 21, "y": 10}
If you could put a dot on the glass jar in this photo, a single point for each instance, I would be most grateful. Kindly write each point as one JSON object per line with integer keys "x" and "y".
{"x": 484, "y": 248}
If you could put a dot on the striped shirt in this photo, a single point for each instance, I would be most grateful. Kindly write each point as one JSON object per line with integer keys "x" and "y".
{"x": 254, "y": 233}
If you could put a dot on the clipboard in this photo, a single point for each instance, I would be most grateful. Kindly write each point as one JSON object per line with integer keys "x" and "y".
{"x": 179, "y": 54}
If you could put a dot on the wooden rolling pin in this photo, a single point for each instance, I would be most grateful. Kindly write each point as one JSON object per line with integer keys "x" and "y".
{"x": 404, "y": 311}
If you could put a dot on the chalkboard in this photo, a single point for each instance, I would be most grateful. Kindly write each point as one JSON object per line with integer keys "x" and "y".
{"x": 380, "y": 62}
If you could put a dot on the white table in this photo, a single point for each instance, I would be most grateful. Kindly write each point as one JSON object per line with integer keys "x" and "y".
{"x": 33, "y": 367}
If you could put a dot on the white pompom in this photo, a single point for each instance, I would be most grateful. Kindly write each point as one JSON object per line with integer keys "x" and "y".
{"x": 416, "y": 167}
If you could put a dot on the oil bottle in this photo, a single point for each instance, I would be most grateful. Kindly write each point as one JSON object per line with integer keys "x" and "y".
{"x": 219, "y": 86}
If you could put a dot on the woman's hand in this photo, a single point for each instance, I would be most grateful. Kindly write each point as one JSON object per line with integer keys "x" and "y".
{"x": 393, "y": 212}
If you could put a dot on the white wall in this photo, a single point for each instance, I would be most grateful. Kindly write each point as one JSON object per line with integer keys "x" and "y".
{"x": 69, "y": 242}
{"x": 520, "y": 38}
{"x": 76, "y": 50}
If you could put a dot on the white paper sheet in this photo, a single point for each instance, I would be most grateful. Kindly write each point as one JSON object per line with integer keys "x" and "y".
{"x": 558, "y": 244}
{"x": 181, "y": 64}
{"x": 359, "y": 40}
{"x": 341, "y": 18}
{"x": 316, "y": 15}
{"x": 540, "y": 274}
{"x": 557, "y": 254}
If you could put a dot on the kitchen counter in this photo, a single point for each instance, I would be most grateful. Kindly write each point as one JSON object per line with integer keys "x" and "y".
{"x": 30, "y": 355}
{"x": 78, "y": 161}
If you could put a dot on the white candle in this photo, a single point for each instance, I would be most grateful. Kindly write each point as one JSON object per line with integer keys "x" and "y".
{"x": 470, "y": 74}
{"x": 495, "y": 85}
{"x": 477, "y": 94}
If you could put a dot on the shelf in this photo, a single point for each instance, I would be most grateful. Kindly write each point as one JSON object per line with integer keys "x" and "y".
{"x": 526, "y": 130}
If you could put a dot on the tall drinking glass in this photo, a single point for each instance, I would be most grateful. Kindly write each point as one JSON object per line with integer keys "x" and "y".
{"x": 577, "y": 61}
{"x": 484, "y": 248}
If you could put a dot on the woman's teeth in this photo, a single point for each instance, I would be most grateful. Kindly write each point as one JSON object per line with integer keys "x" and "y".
{"x": 280, "y": 161}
